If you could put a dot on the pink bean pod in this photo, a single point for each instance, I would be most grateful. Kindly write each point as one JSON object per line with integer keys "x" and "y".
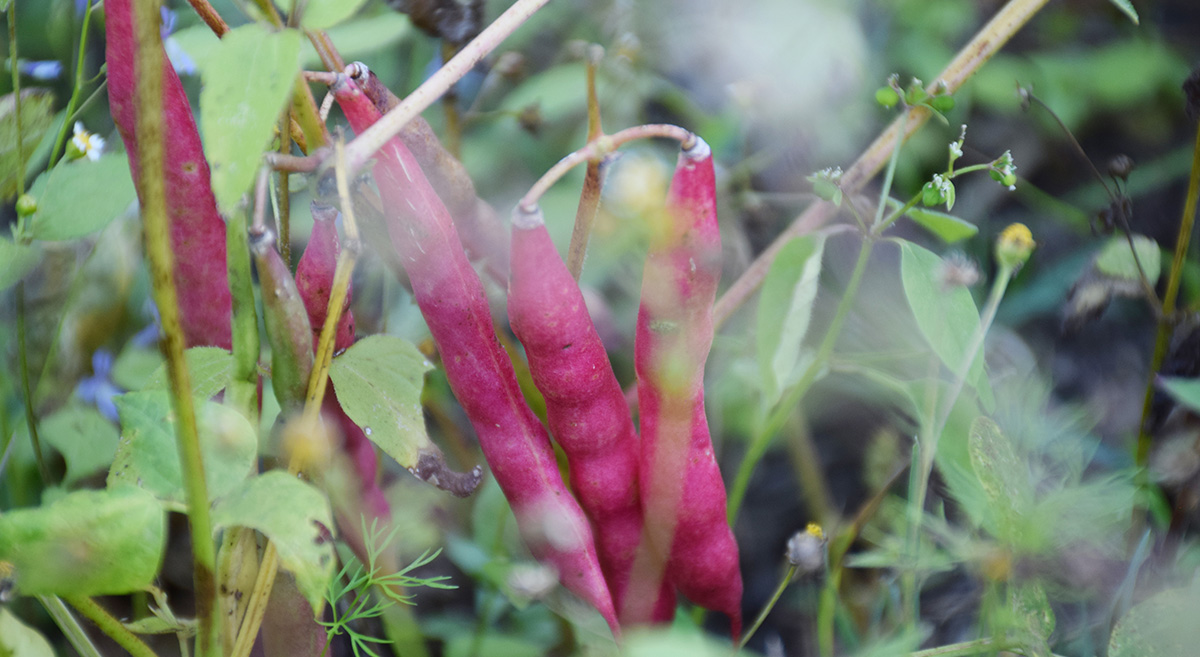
{"x": 585, "y": 406}
{"x": 314, "y": 280}
{"x": 683, "y": 495}
{"x": 451, "y": 298}
{"x": 197, "y": 229}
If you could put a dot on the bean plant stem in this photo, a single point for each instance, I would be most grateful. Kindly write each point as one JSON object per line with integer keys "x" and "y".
{"x": 210, "y": 16}
{"x": 317, "y": 382}
{"x": 110, "y": 626}
{"x": 389, "y": 125}
{"x": 762, "y": 615}
{"x": 16, "y": 86}
{"x": 69, "y": 625}
{"x": 26, "y": 389}
{"x": 150, "y": 136}
{"x": 986, "y": 42}
{"x": 589, "y": 198}
{"x": 1170, "y": 299}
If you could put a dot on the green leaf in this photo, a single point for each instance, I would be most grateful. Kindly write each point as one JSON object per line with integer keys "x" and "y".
{"x": 784, "y": 312}
{"x": 93, "y": 542}
{"x": 1162, "y": 626}
{"x": 1116, "y": 259}
{"x": 297, "y": 519}
{"x": 947, "y": 318}
{"x": 16, "y": 260}
{"x": 247, "y": 81}
{"x": 1185, "y": 391}
{"x": 148, "y": 457}
{"x": 18, "y": 639}
{"x": 84, "y": 437}
{"x": 946, "y": 227}
{"x": 320, "y": 14}
{"x": 210, "y": 369}
{"x": 1003, "y": 476}
{"x": 1126, "y": 8}
{"x": 37, "y": 113}
{"x": 78, "y": 198}
{"x": 1033, "y": 616}
{"x": 378, "y": 383}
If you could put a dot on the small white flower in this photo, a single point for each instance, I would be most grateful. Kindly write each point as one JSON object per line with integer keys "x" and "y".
{"x": 86, "y": 144}
{"x": 955, "y": 150}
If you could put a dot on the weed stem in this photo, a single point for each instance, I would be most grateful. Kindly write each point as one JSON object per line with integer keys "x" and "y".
{"x": 110, "y": 626}
{"x": 150, "y": 140}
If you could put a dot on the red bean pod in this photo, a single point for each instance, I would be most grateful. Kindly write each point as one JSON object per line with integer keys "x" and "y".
{"x": 585, "y": 406}
{"x": 314, "y": 281}
{"x": 197, "y": 230}
{"x": 683, "y": 495}
{"x": 451, "y": 298}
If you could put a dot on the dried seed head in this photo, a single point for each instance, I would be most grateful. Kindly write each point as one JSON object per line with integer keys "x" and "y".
{"x": 1120, "y": 166}
{"x": 958, "y": 270}
{"x": 806, "y": 549}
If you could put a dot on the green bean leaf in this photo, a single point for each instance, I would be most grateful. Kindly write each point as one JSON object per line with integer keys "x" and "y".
{"x": 79, "y": 198}
{"x": 1163, "y": 625}
{"x": 209, "y": 369}
{"x": 148, "y": 457}
{"x": 92, "y": 542}
{"x": 296, "y": 517}
{"x": 247, "y": 81}
{"x": 17, "y": 638}
{"x": 321, "y": 14}
{"x": 84, "y": 437}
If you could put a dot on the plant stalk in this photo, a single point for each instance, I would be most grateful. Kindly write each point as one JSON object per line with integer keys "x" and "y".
{"x": 589, "y": 198}
{"x": 110, "y": 626}
{"x": 1162, "y": 340}
{"x": 150, "y": 139}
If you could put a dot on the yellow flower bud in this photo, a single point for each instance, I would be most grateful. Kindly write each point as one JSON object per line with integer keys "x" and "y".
{"x": 1014, "y": 246}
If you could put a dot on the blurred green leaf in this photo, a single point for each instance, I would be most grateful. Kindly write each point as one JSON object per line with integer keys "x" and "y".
{"x": 93, "y": 542}
{"x": 946, "y": 227}
{"x": 297, "y": 519}
{"x": 1003, "y": 475}
{"x": 947, "y": 317}
{"x": 16, "y": 638}
{"x": 1162, "y": 626}
{"x": 1116, "y": 258}
{"x": 247, "y": 80}
{"x": 16, "y": 260}
{"x": 148, "y": 457}
{"x": 784, "y": 312}
{"x": 37, "y": 113}
{"x": 84, "y": 437}
{"x": 1185, "y": 391}
{"x": 1033, "y": 616}
{"x": 208, "y": 367}
{"x": 321, "y": 14}
{"x": 378, "y": 383}
{"x": 81, "y": 197}
{"x": 1126, "y": 8}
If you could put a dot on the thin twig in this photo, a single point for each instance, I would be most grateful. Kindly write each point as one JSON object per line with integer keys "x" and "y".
{"x": 389, "y": 125}
{"x": 589, "y": 198}
{"x": 598, "y": 149}
{"x": 987, "y": 41}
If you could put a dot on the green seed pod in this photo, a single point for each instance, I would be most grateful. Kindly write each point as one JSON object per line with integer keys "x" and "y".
{"x": 887, "y": 97}
{"x": 288, "y": 330}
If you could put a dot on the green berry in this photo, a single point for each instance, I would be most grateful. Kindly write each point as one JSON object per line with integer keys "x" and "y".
{"x": 887, "y": 97}
{"x": 26, "y": 205}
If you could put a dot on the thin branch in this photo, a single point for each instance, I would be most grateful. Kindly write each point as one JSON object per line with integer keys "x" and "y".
{"x": 389, "y": 125}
